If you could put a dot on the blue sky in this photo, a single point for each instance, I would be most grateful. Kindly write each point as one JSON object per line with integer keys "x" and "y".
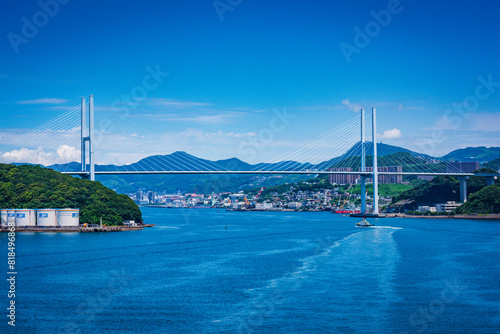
{"x": 234, "y": 65}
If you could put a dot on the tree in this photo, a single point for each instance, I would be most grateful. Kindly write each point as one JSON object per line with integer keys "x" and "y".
{"x": 35, "y": 187}
{"x": 485, "y": 201}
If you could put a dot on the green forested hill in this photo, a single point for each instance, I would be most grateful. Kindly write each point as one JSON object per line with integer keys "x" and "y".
{"x": 493, "y": 164}
{"x": 439, "y": 190}
{"x": 485, "y": 201}
{"x": 442, "y": 189}
{"x": 481, "y": 154}
{"x": 35, "y": 187}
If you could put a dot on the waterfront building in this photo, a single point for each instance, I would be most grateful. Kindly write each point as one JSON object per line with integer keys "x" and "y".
{"x": 263, "y": 206}
{"x": 447, "y": 207}
{"x": 426, "y": 208}
{"x": 294, "y": 205}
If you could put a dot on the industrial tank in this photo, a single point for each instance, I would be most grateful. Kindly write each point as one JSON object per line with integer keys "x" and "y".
{"x": 4, "y": 218}
{"x": 46, "y": 217}
{"x": 11, "y": 216}
{"x": 68, "y": 217}
{"x": 25, "y": 217}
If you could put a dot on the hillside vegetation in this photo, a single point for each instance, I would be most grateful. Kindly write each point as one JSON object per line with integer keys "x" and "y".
{"x": 481, "y": 154}
{"x": 36, "y": 187}
{"x": 440, "y": 190}
{"x": 493, "y": 164}
{"x": 485, "y": 201}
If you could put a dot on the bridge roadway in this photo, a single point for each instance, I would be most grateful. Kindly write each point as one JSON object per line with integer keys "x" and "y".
{"x": 368, "y": 174}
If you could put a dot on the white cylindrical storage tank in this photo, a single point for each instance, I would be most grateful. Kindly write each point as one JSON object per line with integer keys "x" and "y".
{"x": 46, "y": 217}
{"x": 25, "y": 217}
{"x": 11, "y": 216}
{"x": 68, "y": 217}
{"x": 4, "y": 218}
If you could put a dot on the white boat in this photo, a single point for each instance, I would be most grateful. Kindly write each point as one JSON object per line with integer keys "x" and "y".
{"x": 364, "y": 223}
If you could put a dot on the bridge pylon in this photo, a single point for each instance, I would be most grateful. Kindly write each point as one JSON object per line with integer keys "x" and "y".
{"x": 85, "y": 139}
{"x": 363, "y": 163}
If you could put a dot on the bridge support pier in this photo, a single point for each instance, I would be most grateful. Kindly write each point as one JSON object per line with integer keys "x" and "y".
{"x": 375, "y": 163}
{"x": 490, "y": 180}
{"x": 363, "y": 163}
{"x": 363, "y": 194}
{"x": 463, "y": 188}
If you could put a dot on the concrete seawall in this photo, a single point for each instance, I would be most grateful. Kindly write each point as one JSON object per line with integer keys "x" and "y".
{"x": 78, "y": 229}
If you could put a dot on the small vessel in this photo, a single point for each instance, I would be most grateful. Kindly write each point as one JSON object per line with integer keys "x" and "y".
{"x": 364, "y": 223}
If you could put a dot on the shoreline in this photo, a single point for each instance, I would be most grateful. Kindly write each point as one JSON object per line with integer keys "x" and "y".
{"x": 77, "y": 229}
{"x": 382, "y": 215}
{"x": 476, "y": 217}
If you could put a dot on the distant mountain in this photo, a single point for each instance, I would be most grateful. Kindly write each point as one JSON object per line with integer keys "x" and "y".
{"x": 393, "y": 154}
{"x": 234, "y": 164}
{"x": 382, "y": 150}
{"x": 482, "y": 154}
{"x": 178, "y": 161}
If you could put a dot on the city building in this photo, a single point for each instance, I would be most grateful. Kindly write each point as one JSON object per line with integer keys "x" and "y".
{"x": 342, "y": 178}
{"x": 447, "y": 207}
{"x": 394, "y": 178}
{"x": 348, "y": 178}
{"x": 426, "y": 208}
{"x": 462, "y": 166}
{"x": 263, "y": 206}
{"x": 294, "y": 205}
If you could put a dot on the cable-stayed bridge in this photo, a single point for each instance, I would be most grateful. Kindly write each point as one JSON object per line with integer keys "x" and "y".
{"x": 350, "y": 151}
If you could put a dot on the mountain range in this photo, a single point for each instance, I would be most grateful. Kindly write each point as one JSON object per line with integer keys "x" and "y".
{"x": 206, "y": 183}
{"x": 179, "y": 161}
{"x": 482, "y": 154}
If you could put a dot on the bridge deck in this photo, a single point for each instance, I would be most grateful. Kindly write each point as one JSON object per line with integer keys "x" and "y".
{"x": 306, "y": 172}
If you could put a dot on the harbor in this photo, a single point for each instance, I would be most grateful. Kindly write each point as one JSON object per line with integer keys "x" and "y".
{"x": 81, "y": 229}
{"x": 321, "y": 257}
{"x": 58, "y": 220}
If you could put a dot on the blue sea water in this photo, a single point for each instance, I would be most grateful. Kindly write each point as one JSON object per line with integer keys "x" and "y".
{"x": 268, "y": 272}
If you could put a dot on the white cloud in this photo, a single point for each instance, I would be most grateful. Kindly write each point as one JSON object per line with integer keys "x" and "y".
{"x": 204, "y": 119}
{"x": 487, "y": 122}
{"x": 481, "y": 121}
{"x": 213, "y": 137}
{"x": 24, "y": 155}
{"x": 391, "y": 134}
{"x": 68, "y": 153}
{"x": 353, "y": 106}
{"x": 214, "y": 119}
{"x": 64, "y": 154}
{"x": 175, "y": 103}
{"x": 44, "y": 100}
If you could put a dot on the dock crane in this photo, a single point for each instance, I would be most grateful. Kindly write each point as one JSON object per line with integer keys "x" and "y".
{"x": 256, "y": 198}
{"x": 347, "y": 198}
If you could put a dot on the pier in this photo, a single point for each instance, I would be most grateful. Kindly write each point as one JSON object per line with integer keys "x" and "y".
{"x": 77, "y": 229}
